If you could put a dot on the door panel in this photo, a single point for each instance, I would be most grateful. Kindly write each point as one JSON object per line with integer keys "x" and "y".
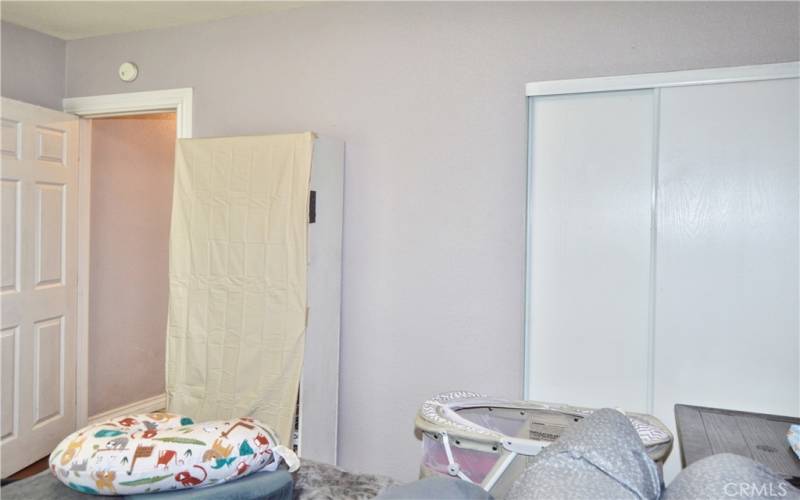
{"x": 10, "y": 197}
{"x": 49, "y": 233}
{"x": 48, "y": 370}
{"x": 11, "y": 138}
{"x": 51, "y": 145}
{"x": 39, "y": 280}
{"x": 590, "y": 249}
{"x": 9, "y": 341}
{"x": 727, "y": 269}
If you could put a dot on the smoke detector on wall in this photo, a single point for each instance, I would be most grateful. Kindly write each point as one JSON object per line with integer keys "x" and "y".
{"x": 128, "y": 71}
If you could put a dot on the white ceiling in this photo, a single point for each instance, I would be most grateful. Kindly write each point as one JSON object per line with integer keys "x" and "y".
{"x": 72, "y": 20}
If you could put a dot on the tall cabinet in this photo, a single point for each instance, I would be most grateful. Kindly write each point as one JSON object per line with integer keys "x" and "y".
{"x": 663, "y": 217}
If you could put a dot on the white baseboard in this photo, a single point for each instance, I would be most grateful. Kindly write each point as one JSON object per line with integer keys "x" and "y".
{"x": 154, "y": 403}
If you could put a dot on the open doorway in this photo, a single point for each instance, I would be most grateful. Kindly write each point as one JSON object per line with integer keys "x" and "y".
{"x": 131, "y": 198}
{"x": 128, "y": 157}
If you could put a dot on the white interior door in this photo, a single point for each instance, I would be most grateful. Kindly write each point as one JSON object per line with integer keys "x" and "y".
{"x": 700, "y": 171}
{"x": 590, "y": 249}
{"x": 39, "y": 273}
{"x": 727, "y": 269}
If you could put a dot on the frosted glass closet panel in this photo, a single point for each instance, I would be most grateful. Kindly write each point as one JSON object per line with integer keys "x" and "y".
{"x": 590, "y": 248}
{"x": 727, "y": 252}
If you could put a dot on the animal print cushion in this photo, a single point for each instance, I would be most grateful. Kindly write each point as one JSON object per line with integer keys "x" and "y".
{"x": 162, "y": 452}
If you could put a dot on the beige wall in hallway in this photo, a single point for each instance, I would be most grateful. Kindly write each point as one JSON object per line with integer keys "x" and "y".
{"x": 132, "y": 166}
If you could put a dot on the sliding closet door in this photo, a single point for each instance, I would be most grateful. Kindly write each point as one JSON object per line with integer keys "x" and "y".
{"x": 727, "y": 252}
{"x": 589, "y": 262}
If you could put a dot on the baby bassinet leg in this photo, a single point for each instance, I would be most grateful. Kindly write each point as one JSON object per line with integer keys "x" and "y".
{"x": 452, "y": 466}
{"x": 498, "y": 470}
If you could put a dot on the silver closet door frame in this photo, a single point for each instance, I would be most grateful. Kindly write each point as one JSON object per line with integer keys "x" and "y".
{"x": 654, "y": 83}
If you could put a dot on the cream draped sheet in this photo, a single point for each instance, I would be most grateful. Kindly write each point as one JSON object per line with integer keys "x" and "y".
{"x": 237, "y": 278}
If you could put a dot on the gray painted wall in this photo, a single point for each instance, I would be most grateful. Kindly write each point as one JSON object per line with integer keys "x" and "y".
{"x": 430, "y": 101}
{"x": 32, "y": 66}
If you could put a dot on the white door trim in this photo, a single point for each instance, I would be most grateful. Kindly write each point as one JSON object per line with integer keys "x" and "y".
{"x": 84, "y": 262}
{"x": 667, "y": 79}
{"x": 177, "y": 100}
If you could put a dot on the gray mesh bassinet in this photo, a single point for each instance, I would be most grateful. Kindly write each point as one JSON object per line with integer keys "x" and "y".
{"x": 488, "y": 441}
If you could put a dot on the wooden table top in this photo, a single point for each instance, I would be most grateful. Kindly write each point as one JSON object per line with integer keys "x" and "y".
{"x": 708, "y": 431}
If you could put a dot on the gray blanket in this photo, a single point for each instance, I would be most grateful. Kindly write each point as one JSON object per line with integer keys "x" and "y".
{"x": 599, "y": 457}
{"x": 727, "y": 476}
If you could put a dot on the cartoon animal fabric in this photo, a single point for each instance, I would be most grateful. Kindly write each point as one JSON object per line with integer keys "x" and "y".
{"x": 162, "y": 452}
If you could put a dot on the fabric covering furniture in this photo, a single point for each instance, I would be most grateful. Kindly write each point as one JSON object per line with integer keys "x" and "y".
{"x": 238, "y": 288}
{"x": 600, "y": 457}
{"x": 159, "y": 452}
{"x": 728, "y": 476}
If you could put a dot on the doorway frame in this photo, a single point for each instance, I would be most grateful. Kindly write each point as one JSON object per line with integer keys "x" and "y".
{"x": 179, "y": 101}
